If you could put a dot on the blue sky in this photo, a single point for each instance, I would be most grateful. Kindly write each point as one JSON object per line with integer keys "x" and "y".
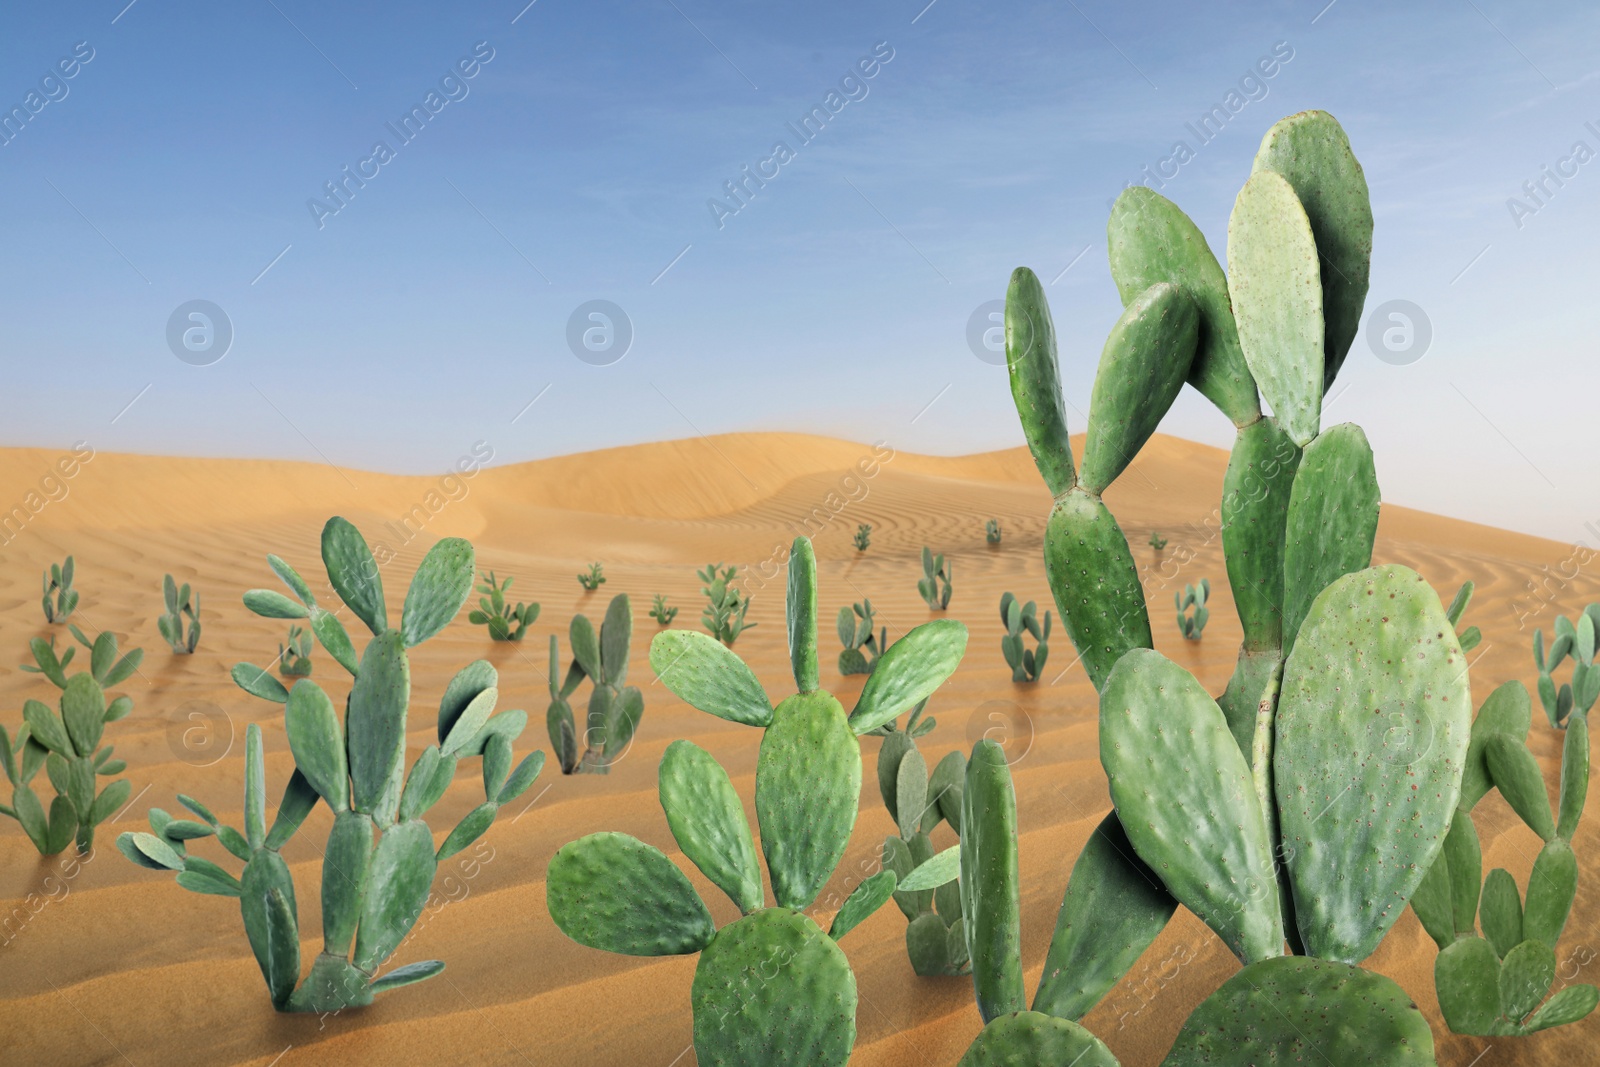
{"x": 577, "y": 164}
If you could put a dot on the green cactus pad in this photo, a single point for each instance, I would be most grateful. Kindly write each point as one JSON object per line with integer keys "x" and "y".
{"x": 334, "y": 639}
{"x": 266, "y": 901}
{"x": 990, "y": 903}
{"x": 1241, "y": 701}
{"x": 353, "y": 573}
{"x": 410, "y": 974}
{"x": 864, "y": 900}
{"x": 1096, "y": 584}
{"x": 1432, "y": 901}
{"x": 1466, "y": 978}
{"x": 376, "y": 727}
{"x": 463, "y": 689}
{"x": 46, "y": 728}
{"x": 1201, "y": 827}
{"x": 707, "y": 675}
{"x": 911, "y": 792}
{"x": 1501, "y": 912}
{"x": 259, "y": 683}
{"x": 1371, "y": 738}
{"x": 1332, "y": 520}
{"x": 1507, "y": 711}
{"x": 1313, "y": 154}
{"x": 346, "y": 862}
{"x": 1036, "y": 380}
{"x": 1276, "y": 287}
{"x": 473, "y": 825}
{"x": 1526, "y": 974}
{"x": 708, "y": 822}
{"x": 317, "y": 742}
{"x": 1142, "y": 368}
{"x": 298, "y": 800}
{"x": 801, "y": 611}
{"x": 1149, "y": 240}
{"x": 928, "y": 945}
{"x": 397, "y": 888}
{"x": 772, "y": 990}
{"x": 83, "y": 710}
{"x": 1464, "y": 857}
{"x": 472, "y": 720}
{"x": 614, "y": 892}
{"x": 944, "y": 790}
{"x": 908, "y": 672}
{"x": 895, "y": 745}
{"x": 332, "y": 985}
{"x": 1567, "y": 1006}
{"x": 1031, "y": 1039}
{"x": 585, "y": 646}
{"x": 1574, "y": 776}
{"x": 1516, "y": 774}
{"x": 1112, "y": 910}
{"x": 255, "y": 788}
{"x": 442, "y": 584}
{"x": 940, "y": 870}
{"x": 1551, "y": 888}
{"x": 1298, "y": 1010}
{"x": 1255, "y": 511}
{"x": 808, "y": 783}
{"x": 615, "y": 634}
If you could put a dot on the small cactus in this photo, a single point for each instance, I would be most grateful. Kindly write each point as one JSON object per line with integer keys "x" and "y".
{"x": 1026, "y": 664}
{"x": 594, "y": 578}
{"x": 934, "y": 586}
{"x": 863, "y": 537}
{"x": 1193, "y": 624}
{"x": 179, "y": 602}
{"x": 294, "y": 658}
{"x": 862, "y": 646}
{"x": 1471, "y": 636}
{"x": 67, "y": 746}
{"x": 991, "y": 531}
{"x": 1579, "y": 643}
{"x": 59, "y": 597}
{"x": 505, "y": 623}
{"x": 725, "y": 608}
{"x": 660, "y": 612}
{"x": 1157, "y": 542}
{"x": 614, "y": 707}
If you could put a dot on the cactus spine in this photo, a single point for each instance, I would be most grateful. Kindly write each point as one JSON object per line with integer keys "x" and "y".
{"x": 60, "y": 599}
{"x": 614, "y": 706}
{"x": 179, "y": 603}
{"x": 934, "y": 585}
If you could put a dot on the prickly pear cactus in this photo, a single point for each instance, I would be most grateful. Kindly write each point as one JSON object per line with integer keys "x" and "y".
{"x": 615, "y": 707}
{"x": 614, "y": 892}
{"x": 180, "y": 603}
{"x": 505, "y": 623}
{"x": 1026, "y": 664}
{"x": 862, "y": 646}
{"x": 380, "y": 858}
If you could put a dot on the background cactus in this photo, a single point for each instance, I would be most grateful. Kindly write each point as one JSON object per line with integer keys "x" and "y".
{"x": 1578, "y": 642}
{"x": 934, "y": 585}
{"x": 593, "y": 578}
{"x": 611, "y": 891}
{"x": 294, "y": 658}
{"x": 1193, "y": 624}
{"x": 505, "y": 623}
{"x": 862, "y": 647}
{"x": 60, "y": 599}
{"x": 1026, "y": 663}
{"x": 991, "y": 531}
{"x": 863, "y": 537}
{"x": 1156, "y": 541}
{"x": 67, "y": 745}
{"x": 723, "y": 616}
{"x": 179, "y": 602}
{"x": 660, "y": 612}
{"x": 614, "y": 706}
{"x": 380, "y": 859}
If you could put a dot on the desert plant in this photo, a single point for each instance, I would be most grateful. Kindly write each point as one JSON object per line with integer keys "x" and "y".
{"x": 1578, "y": 642}
{"x": 934, "y": 585}
{"x": 614, "y": 706}
{"x": 614, "y": 892}
{"x": 594, "y": 578}
{"x": 505, "y": 623}
{"x": 660, "y": 612}
{"x": 179, "y": 602}
{"x": 723, "y": 616}
{"x": 991, "y": 531}
{"x": 379, "y": 862}
{"x": 294, "y": 658}
{"x": 60, "y": 599}
{"x": 1471, "y": 636}
{"x": 67, "y": 746}
{"x": 936, "y": 941}
{"x": 1193, "y": 624}
{"x": 862, "y": 646}
{"x": 863, "y": 536}
{"x": 1026, "y": 663}
{"x": 1157, "y": 542}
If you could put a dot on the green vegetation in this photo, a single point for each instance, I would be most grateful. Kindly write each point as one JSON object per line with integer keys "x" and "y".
{"x": 723, "y": 616}
{"x": 1157, "y": 542}
{"x": 60, "y": 599}
{"x": 862, "y": 646}
{"x": 1193, "y": 623}
{"x": 863, "y": 537}
{"x": 614, "y": 706}
{"x": 660, "y": 612}
{"x": 1026, "y": 663}
{"x": 294, "y": 658}
{"x": 179, "y": 602}
{"x": 934, "y": 585}
{"x": 991, "y": 531}
{"x": 505, "y": 623}
{"x": 594, "y": 578}
{"x": 1578, "y": 642}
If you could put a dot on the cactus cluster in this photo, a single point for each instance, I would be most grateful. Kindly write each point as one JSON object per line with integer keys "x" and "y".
{"x": 991, "y": 531}
{"x": 770, "y": 987}
{"x": 614, "y": 706}
{"x": 863, "y": 536}
{"x": 1192, "y": 611}
{"x": 67, "y": 745}
{"x": 179, "y": 602}
{"x": 294, "y": 657}
{"x": 1026, "y": 663}
{"x": 380, "y": 858}
{"x": 862, "y": 646}
{"x": 1156, "y": 541}
{"x": 60, "y": 599}
{"x": 1578, "y": 642}
{"x": 934, "y": 585}
{"x": 505, "y": 623}
{"x": 661, "y": 612}
{"x": 593, "y": 578}
{"x": 723, "y": 615}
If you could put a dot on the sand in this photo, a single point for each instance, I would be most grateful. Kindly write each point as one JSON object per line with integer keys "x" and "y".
{"x": 108, "y": 963}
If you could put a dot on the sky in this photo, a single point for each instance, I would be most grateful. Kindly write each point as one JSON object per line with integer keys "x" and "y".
{"x": 578, "y": 152}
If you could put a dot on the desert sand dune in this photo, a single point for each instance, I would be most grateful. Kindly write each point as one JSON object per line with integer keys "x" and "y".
{"x": 113, "y": 964}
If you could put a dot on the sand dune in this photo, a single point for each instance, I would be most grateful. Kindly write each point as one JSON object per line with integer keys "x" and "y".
{"x": 113, "y": 964}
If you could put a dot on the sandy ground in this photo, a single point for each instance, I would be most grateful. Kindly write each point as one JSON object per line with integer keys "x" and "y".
{"x": 112, "y": 964}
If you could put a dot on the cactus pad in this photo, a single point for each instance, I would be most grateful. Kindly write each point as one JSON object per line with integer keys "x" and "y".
{"x": 808, "y": 784}
{"x": 1036, "y": 379}
{"x": 614, "y": 892}
{"x": 1096, "y": 584}
{"x": 1031, "y": 1039}
{"x": 708, "y": 822}
{"x": 709, "y": 676}
{"x": 1332, "y": 520}
{"x": 990, "y": 901}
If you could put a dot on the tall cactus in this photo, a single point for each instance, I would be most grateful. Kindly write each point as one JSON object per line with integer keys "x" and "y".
{"x": 613, "y": 892}
{"x": 380, "y": 859}
{"x": 614, "y": 706}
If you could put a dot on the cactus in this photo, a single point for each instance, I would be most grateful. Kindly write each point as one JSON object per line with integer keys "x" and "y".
{"x": 1157, "y": 542}
{"x": 1471, "y": 636}
{"x": 179, "y": 602}
{"x": 918, "y": 801}
{"x": 380, "y": 859}
{"x": 614, "y": 706}
{"x": 505, "y": 623}
{"x": 1026, "y": 663}
{"x": 862, "y": 647}
{"x": 594, "y": 578}
{"x": 863, "y": 536}
{"x": 1578, "y": 642}
{"x": 1193, "y": 625}
{"x": 934, "y": 585}
{"x": 991, "y": 531}
{"x": 769, "y": 988}
{"x": 294, "y": 658}
{"x": 67, "y": 745}
{"x": 725, "y": 608}
{"x": 60, "y": 599}
{"x": 660, "y": 612}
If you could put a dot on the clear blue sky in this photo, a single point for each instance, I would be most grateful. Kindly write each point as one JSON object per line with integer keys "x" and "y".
{"x": 577, "y": 163}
